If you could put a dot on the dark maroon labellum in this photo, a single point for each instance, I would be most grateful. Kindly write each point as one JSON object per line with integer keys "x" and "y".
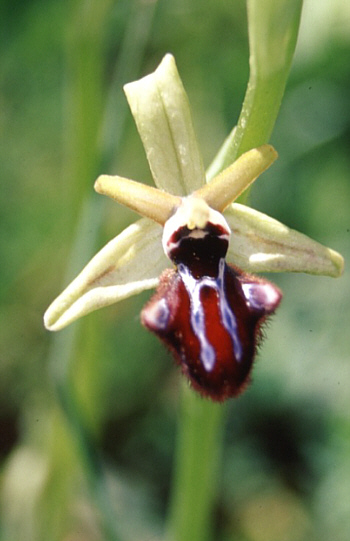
{"x": 208, "y": 313}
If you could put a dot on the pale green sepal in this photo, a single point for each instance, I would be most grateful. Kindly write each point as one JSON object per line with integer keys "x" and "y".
{"x": 127, "y": 265}
{"x": 261, "y": 244}
{"x": 162, "y": 114}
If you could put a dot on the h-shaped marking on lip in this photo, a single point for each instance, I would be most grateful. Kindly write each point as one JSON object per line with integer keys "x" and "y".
{"x": 228, "y": 319}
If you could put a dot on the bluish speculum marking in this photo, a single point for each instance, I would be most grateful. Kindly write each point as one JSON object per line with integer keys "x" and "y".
{"x": 198, "y": 322}
{"x": 228, "y": 317}
{"x": 193, "y": 287}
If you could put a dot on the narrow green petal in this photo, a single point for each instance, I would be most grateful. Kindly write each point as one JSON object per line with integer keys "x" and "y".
{"x": 236, "y": 178}
{"x": 162, "y": 114}
{"x": 146, "y": 200}
{"x": 127, "y": 265}
{"x": 261, "y": 244}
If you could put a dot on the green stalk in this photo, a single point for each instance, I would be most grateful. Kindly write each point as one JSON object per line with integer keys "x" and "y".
{"x": 273, "y": 29}
{"x": 95, "y": 125}
{"x": 197, "y": 458}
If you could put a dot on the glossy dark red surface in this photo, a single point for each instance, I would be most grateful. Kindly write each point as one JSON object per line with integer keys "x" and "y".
{"x": 168, "y": 314}
{"x": 209, "y": 314}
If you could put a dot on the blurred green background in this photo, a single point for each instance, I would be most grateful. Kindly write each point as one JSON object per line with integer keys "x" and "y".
{"x": 105, "y": 390}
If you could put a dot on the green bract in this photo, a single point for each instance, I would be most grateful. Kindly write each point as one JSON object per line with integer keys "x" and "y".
{"x": 133, "y": 260}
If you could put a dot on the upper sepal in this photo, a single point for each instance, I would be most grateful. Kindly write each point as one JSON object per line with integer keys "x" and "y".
{"x": 161, "y": 110}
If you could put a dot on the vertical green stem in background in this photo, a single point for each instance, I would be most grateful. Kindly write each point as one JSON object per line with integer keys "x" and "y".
{"x": 198, "y": 454}
{"x": 273, "y": 29}
{"x": 88, "y": 145}
{"x": 84, "y": 94}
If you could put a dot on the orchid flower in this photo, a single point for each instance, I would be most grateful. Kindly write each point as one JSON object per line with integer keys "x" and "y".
{"x": 185, "y": 204}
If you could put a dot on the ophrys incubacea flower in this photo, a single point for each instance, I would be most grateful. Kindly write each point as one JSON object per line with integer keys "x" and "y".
{"x": 207, "y": 309}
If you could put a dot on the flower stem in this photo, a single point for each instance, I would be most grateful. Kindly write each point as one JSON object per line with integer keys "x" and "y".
{"x": 273, "y": 28}
{"x": 197, "y": 459}
{"x": 86, "y": 101}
